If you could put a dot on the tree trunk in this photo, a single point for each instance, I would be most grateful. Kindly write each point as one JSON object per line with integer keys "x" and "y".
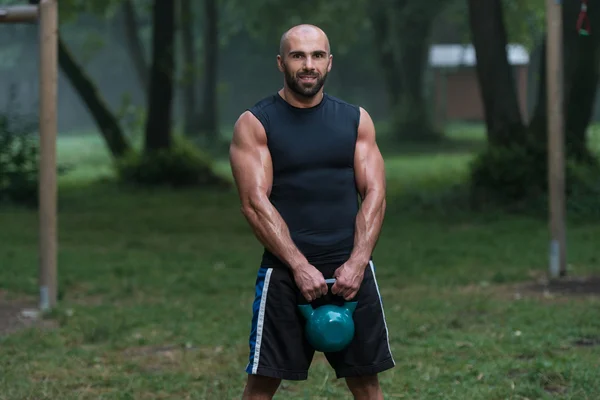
{"x": 209, "y": 119}
{"x": 413, "y": 119}
{"x": 186, "y": 18}
{"x": 105, "y": 119}
{"x": 581, "y": 60}
{"x": 580, "y": 97}
{"x": 134, "y": 44}
{"x": 539, "y": 121}
{"x": 384, "y": 40}
{"x": 158, "y": 123}
{"x": 402, "y": 35}
{"x": 496, "y": 81}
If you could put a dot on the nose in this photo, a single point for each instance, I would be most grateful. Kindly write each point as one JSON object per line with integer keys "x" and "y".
{"x": 308, "y": 64}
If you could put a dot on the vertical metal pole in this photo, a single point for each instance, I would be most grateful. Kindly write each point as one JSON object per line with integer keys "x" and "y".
{"x": 556, "y": 162}
{"x": 48, "y": 75}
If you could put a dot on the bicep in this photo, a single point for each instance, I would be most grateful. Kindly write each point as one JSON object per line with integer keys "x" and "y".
{"x": 368, "y": 161}
{"x": 249, "y": 158}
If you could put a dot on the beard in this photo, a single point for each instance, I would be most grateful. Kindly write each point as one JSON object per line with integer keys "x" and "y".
{"x": 302, "y": 89}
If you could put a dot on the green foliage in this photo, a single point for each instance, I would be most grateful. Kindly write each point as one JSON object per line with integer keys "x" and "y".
{"x": 69, "y": 10}
{"x": 524, "y": 20}
{"x": 18, "y": 158}
{"x": 268, "y": 19}
{"x": 132, "y": 117}
{"x": 508, "y": 174}
{"x": 10, "y": 2}
{"x": 179, "y": 166}
{"x": 518, "y": 176}
{"x": 583, "y": 188}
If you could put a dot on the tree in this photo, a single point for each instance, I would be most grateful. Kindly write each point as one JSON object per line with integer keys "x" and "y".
{"x": 402, "y": 34}
{"x": 496, "y": 81}
{"x": 581, "y": 59}
{"x": 513, "y": 168}
{"x": 189, "y": 68}
{"x": 209, "y": 116}
{"x": 158, "y": 122}
{"x": 134, "y": 44}
{"x": 199, "y": 118}
{"x": 105, "y": 119}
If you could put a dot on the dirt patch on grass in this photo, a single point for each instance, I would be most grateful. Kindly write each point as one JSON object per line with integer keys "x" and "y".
{"x": 566, "y": 286}
{"x": 198, "y": 360}
{"x": 19, "y": 313}
{"x": 541, "y": 288}
{"x": 587, "y": 342}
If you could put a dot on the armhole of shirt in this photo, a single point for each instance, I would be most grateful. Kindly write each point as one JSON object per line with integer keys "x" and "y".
{"x": 262, "y": 118}
{"x": 357, "y": 109}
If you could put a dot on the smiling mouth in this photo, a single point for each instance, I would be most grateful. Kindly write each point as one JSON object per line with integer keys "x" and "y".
{"x": 307, "y": 78}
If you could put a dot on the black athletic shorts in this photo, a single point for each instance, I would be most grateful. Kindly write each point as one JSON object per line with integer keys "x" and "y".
{"x": 278, "y": 347}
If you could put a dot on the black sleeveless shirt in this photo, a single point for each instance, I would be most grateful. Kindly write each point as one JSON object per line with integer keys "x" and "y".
{"x": 314, "y": 186}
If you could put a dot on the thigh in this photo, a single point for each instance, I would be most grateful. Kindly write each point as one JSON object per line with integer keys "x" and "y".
{"x": 369, "y": 352}
{"x": 278, "y": 348}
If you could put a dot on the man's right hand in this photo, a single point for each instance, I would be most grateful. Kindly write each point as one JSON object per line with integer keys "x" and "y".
{"x": 310, "y": 281}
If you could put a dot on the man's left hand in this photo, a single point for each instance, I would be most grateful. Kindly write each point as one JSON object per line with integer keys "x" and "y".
{"x": 348, "y": 279}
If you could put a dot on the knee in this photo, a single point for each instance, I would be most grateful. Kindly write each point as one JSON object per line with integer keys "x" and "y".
{"x": 364, "y": 387}
{"x": 260, "y": 388}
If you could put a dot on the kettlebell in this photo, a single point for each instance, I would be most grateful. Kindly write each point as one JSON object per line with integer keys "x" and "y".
{"x": 329, "y": 328}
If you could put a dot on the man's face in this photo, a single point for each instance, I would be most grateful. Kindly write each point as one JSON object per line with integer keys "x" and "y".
{"x": 305, "y": 64}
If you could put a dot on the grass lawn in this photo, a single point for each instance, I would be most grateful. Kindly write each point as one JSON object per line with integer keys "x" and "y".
{"x": 157, "y": 285}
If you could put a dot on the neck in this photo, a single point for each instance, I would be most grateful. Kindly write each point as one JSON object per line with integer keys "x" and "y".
{"x": 299, "y": 101}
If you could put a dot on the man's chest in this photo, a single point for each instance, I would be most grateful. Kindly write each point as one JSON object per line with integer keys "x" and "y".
{"x": 306, "y": 146}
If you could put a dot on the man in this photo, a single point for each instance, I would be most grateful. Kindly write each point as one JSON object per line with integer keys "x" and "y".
{"x": 301, "y": 159}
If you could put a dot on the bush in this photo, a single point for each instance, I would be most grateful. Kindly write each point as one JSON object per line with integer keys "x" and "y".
{"x": 583, "y": 189}
{"x": 518, "y": 177}
{"x": 18, "y": 160}
{"x": 508, "y": 175}
{"x": 181, "y": 165}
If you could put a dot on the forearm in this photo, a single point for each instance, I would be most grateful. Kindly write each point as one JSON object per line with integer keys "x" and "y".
{"x": 272, "y": 231}
{"x": 369, "y": 221}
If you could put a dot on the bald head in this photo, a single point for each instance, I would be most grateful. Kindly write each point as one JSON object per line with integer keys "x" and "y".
{"x": 305, "y": 59}
{"x": 300, "y": 34}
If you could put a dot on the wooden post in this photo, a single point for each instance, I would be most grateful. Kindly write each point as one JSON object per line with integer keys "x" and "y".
{"x": 556, "y": 162}
{"x": 47, "y": 16}
{"x": 48, "y": 76}
{"x": 19, "y": 14}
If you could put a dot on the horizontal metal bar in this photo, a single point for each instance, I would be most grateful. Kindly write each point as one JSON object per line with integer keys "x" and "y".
{"x": 19, "y": 14}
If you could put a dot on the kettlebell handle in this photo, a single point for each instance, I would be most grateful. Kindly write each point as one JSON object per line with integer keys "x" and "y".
{"x": 307, "y": 310}
{"x": 349, "y": 305}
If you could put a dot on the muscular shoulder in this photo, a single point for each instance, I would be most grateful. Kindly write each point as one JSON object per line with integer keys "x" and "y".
{"x": 248, "y": 130}
{"x": 366, "y": 127}
{"x": 262, "y": 109}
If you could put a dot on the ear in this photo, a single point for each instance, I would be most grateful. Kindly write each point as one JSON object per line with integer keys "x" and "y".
{"x": 279, "y": 63}
{"x": 330, "y": 63}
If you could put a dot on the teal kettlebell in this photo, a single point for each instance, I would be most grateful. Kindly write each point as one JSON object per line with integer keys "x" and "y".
{"x": 329, "y": 328}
